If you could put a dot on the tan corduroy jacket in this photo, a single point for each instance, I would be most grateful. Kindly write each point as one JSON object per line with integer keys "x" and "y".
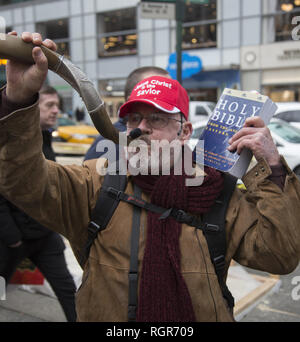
{"x": 262, "y": 224}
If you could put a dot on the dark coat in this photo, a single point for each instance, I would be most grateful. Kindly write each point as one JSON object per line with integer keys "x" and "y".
{"x": 15, "y": 225}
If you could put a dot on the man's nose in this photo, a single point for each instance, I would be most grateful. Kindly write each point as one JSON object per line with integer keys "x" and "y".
{"x": 144, "y": 126}
{"x": 55, "y": 109}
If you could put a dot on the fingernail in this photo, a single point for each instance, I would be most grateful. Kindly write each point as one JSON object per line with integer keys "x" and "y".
{"x": 38, "y": 52}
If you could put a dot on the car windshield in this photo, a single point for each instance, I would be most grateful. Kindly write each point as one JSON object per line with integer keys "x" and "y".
{"x": 211, "y": 106}
{"x": 289, "y": 116}
{"x": 197, "y": 132}
{"x": 62, "y": 121}
{"x": 286, "y": 131}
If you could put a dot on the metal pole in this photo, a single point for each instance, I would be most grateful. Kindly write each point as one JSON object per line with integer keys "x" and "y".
{"x": 180, "y": 7}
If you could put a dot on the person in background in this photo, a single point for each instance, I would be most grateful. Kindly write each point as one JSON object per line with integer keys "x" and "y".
{"x": 22, "y": 237}
{"x": 133, "y": 78}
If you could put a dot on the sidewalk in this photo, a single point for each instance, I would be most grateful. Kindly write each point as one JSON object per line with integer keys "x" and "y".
{"x": 39, "y": 304}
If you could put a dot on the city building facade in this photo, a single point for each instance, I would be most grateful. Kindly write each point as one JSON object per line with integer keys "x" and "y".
{"x": 241, "y": 44}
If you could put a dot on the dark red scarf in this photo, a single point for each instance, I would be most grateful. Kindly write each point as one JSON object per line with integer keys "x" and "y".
{"x": 164, "y": 296}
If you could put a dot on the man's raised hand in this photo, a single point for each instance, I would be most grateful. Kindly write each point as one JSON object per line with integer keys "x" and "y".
{"x": 24, "y": 80}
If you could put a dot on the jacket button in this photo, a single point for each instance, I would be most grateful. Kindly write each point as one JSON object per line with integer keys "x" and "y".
{"x": 256, "y": 173}
{"x": 263, "y": 169}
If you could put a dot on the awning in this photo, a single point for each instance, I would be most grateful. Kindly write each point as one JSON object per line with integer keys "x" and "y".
{"x": 213, "y": 79}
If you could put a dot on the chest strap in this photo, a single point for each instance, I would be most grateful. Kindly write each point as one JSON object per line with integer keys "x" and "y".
{"x": 134, "y": 254}
{"x": 177, "y": 214}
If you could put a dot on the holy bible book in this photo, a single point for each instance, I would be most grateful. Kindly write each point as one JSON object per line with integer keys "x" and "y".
{"x": 230, "y": 113}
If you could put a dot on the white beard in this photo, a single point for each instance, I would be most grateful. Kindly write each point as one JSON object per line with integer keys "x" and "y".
{"x": 155, "y": 159}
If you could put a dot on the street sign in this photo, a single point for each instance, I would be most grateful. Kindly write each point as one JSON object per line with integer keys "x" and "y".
{"x": 156, "y": 10}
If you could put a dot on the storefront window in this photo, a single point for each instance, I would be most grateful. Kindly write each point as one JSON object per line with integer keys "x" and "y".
{"x": 283, "y": 21}
{"x": 117, "y": 33}
{"x": 204, "y": 94}
{"x": 58, "y": 31}
{"x": 287, "y": 5}
{"x": 278, "y": 24}
{"x": 11, "y": 2}
{"x": 200, "y": 27}
{"x": 283, "y": 93}
{"x": 200, "y": 12}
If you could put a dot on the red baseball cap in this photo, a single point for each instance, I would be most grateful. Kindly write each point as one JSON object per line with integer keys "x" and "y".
{"x": 163, "y": 93}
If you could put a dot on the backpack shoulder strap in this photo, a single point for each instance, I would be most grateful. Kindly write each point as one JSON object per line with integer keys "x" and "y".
{"x": 104, "y": 209}
{"x": 134, "y": 259}
{"x": 215, "y": 233}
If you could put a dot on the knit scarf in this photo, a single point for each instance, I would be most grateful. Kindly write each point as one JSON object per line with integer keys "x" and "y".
{"x": 163, "y": 295}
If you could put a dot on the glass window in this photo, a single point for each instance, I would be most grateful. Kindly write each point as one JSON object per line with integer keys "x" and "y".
{"x": 283, "y": 26}
{"x": 200, "y": 27}
{"x": 290, "y": 116}
{"x": 117, "y": 33}
{"x": 11, "y": 2}
{"x": 287, "y": 5}
{"x": 58, "y": 31}
{"x": 200, "y": 12}
{"x": 283, "y": 93}
{"x": 211, "y": 106}
{"x": 286, "y": 131}
{"x": 63, "y": 121}
{"x": 200, "y": 110}
{"x": 278, "y": 23}
{"x": 197, "y": 132}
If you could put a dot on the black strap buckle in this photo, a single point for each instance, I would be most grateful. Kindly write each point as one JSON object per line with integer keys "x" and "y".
{"x": 219, "y": 263}
{"x": 211, "y": 228}
{"x": 93, "y": 229}
{"x": 180, "y": 215}
{"x": 114, "y": 192}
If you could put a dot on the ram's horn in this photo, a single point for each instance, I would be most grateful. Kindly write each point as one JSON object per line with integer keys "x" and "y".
{"x": 14, "y": 48}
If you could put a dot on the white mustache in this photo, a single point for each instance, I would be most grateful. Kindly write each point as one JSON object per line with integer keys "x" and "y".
{"x": 145, "y": 139}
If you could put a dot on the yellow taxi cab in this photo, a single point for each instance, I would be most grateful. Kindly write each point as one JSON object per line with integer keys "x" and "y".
{"x": 70, "y": 138}
{"x": 69, "y": 131}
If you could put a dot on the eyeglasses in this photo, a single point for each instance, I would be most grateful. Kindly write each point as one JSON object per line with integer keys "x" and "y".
{"x": 153, "y": 120}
